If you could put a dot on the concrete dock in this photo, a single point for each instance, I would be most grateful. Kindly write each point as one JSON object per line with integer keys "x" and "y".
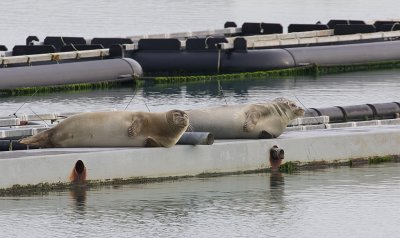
{"x": 54, "y": 166}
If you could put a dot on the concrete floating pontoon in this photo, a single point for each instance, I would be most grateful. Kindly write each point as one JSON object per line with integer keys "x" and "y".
{"x": 307, "y": 140}
{"x": 54, "y": 166}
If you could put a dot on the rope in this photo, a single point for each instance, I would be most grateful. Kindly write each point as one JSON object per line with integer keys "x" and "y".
{"x": 315, "y": 118}
{"x": 62, "y": 40}
{"x": 15, "y": 113}
{"x": 219, "y": 60}
{"x": 222, "y": 91}
{"x": 394, "y": 25}
{"x": 134, "y": 93}
{"x": 205, "y": 41}
{"x": 72, "y": 45}
{"x": 146, "y": 105}
{"x": 39, "y": 117}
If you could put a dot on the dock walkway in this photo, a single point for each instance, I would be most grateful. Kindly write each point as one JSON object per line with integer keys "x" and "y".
{"x": 54, "y": 166}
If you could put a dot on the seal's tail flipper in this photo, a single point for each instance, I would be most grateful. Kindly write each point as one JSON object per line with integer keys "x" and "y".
{"x": 40, "y": 140}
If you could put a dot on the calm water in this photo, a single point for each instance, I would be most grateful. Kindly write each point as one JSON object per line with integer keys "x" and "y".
{"x": 106, "y": 18}
{"x": 344, "y": 202}
{"x": 341, "y": 202}
{"x": 329, "y": 90}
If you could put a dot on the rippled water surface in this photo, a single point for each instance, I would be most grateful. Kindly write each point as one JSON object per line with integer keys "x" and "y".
{"x": 105, "y": 18}
{"x": 328, "y": 90}
{"x": 340, "y": 202}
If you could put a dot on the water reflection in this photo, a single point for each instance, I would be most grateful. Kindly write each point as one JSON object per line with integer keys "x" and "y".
{"x": 277, "y": 187}
{"x": 273, "y": 204}
{"x": 78, "y": 196}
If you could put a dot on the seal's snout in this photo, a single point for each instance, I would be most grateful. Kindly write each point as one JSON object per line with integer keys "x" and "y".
{"x": 299, "y": 112}
{"x": 180, "y": 118}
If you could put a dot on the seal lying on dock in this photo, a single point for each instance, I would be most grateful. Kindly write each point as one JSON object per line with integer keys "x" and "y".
{"x": 264, "y": 120}
{"x": 112, "y": 129}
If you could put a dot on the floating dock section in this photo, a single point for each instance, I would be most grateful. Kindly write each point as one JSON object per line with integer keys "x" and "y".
{"x": 55, "y": 166}
{"x": 311, "y": 139}
{"x": 251, "y": 47}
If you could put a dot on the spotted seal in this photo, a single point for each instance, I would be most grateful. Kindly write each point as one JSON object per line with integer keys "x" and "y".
{"x": 114, "y": 129}
{"x": 261, "y": 120}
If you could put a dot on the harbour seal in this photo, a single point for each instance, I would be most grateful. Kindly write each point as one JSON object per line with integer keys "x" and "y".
{"x": 114, "y": 129}
{"x": 261, "y": 120}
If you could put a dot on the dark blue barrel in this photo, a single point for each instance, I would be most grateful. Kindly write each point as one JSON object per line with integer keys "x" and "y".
{"x": 159, "y": 44}
{"x": 176, "y": 62}
{"x": 59, "y": 41}
{"x": 210, "y": 43}
{"x": 32, "y": 49}
{"x": 108, "y": 42}
{"x": 385, "y": 25}
{"x": 342, "y": 29}
{"x": 230, "y": 24}
{"x": 334, "y": 22}
{"x": 306, "y": 27}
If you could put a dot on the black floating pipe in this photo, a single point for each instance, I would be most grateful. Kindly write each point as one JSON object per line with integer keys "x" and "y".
{"x": 7, "y": 145}
{"x": 335, "y": 114}
{"x": 357, "y": 112}
{"x": 196, "y": 138}
{"x": 70, "y": 73}
{"x": 385, "y": 110}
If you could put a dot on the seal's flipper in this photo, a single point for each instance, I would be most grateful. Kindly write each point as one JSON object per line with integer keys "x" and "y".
{"x": 150, "y": 142}
{"x": 41, "y": 140}
{"x": 265, "y": 135}
{"x": 251, "y": 120}
{"x": 135, "y": 127}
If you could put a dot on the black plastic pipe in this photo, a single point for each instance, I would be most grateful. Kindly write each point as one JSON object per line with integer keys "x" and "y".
{"x": 196, "y": 138}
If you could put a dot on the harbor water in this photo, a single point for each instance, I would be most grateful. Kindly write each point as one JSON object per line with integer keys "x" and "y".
{"x": 309, "y": 91}
{"x": 336, "y": 202}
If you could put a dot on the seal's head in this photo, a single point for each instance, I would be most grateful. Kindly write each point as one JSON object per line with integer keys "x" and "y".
{"x": 289, "y": 104}
{"x": 177, "y": 118}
